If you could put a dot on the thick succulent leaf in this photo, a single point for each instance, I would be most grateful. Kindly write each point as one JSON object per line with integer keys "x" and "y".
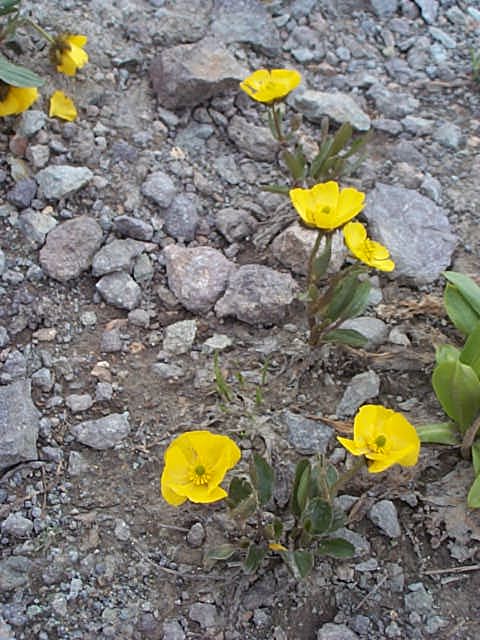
{"x": 470, "y": 353}
{"x": 446, "y": 352}
{"x": 458, "y": 390}
{"x": 467, "y": 287}
{"x": 439, "y": 433}
{"x": 459, "y": 310}
{"x": 473, "y": 498}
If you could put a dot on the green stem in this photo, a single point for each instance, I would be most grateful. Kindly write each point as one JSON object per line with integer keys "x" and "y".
{"x": 469, "y": 438}
{"x": 39, "y": 30}
{"x": 347, "y": 476}
{"x": 276, "y": 122}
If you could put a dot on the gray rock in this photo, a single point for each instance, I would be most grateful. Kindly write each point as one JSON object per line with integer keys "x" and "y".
{"x": 133, "y": 228}
{"x": 179, "y": 336}
{"x": 2, "y": 262}
{"x": 181, "y": 218}
{"x": 31, "y": 122}
{"x": 19, "y": 422}
{"x": 196, "y": 535}
{"x": 292, "y": 247}
{"x": 70, "y": 248}
{"x": 415, "y": 230}
{"x": 384, "y": 515}
{"x": 77, "y": 465}
{"x": 388, "y": 125}
{"x": 331, "y": 631}
{"x": 306, "y": 435}
{"x": 339, "y": 106}
{"x": 22, "y": 193}
{"x": 218, "y": 342}
{"x": 4, "y": 337}
{"x": 103, "y": 433}
{"x": 418, "y": 126}
{"x": 393, "y": 104}
{"x": 120, "y": 290}
{"x": 159, "y": 187}
{"x": 122, "y": 530}
{"x": 205, "y": 614}
{"x": 256, "y": 142}
{"x": 428, "y": 9}
{"x": 103, "y": 392}
{"x": 143, "y": 268}
{"x": 43, "y": 379}
{"x": 79, "y": 402}
{"x": 245, "y": 21}
{"x": 60, "y": 180}
{"x": 432, "y": 188}
{"x": 235, "y": 224}
{"x": 36, "y": 225}
{"x": 38, "y": 155}
{"x": 443, "y": 37}
{"x": 172, "y": 630}
{"x": 384, "y": 8}
{"x": 418, "y": 600}
{"x": 88, "y": 318}
{"x": 374, "y": 329}
{"x": 449, "y": 135}
{"x": 117, "y": 255}
{"x": 14, "y": 572}
{"x": 197, "y": 276}
{"x": 189, "y": 74}
{"x": 362, "y": 387}
{"x": 139, "y": 318}
{"x": 17, "y": 525}
{"x": 257, "y": 295}
{"x": 167, "y": 371}
{"x": 14, "y": 367}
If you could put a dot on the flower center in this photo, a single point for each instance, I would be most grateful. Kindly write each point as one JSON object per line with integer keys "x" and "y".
{"x": 379, "y": 443}
{"x": 326, "y": 209}
{"x": 199, "y": 475}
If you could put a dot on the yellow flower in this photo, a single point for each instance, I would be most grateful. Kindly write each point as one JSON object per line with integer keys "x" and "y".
{"x": 384, "y": 437}
{"x": 368, "y": 251}
{"x": 326, "y": 207}
{"x": 276, "y": 546}
{"x": 62, "y": 106}
{"x": 14, "y": 100}
{"x": 268, "y": 86}
{"x": 195, "y": 464}
{"x": 67, "y": 53}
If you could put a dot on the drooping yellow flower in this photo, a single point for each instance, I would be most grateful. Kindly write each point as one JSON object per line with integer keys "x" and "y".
{"x": 325, "y": 206}
{"x": 14, "y": 100}
{"x": 267, "y": 86}
{"x": 368, "y": 251}
{"x": 195, "y": 465}
{"x": 384, "y": 437}
{"x": 61, "y": 106}
{"x": 67, "y": 53}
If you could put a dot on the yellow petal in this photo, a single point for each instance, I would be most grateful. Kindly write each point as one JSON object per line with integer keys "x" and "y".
{"x": 68, "y": 53}
{"x": 78, "y": 40}
{"x": 17, "y": 100}
{"x": 170, "y": 496}
{"x": 350, "y": 203}
{"x": 61, "y": 106}
{"x": 355, "y": 235}
{"x": 267, "y": 86}
{"x": 201, "y": 493}
{"x": 276, "y": 546}
{"x": 354, "y": 447}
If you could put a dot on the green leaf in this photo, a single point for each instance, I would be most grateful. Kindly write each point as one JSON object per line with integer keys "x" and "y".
{"x": 261, "y": 474}
{"x": 331, "y": 475}
{"x": 358, "y": 143}
{"x": 341, "y": 138}
{"x": 295, "y": 163}
{"x": 245, "y": 508}
{"x": 255, "y": 555}
{"x": 277, "y": 188}
{"x": 322, "y": 260}
{"x": 467, "y": 287}
{"x": 317, "y": 516}
{"x": 470, "y": 353}
{"x": 239, "y": 490}
{"x": 358, "y": 302}
{"x": 339, "y": 519}
{"x": 341, "y": 296}
{"x": 458, "y": 390}
{"x": 317, "y": 163}
{"x": 277, "y": 529}
{"x": 336, "y": 548}
{"x": 459, "y": 310}
{"x": 300, "y": 488}
{"x": 439, "y": 433}
{"x": 346, "y": 336}
{"x": 299, "y": 562}
{"x": 17, "y": 76}
{"x": 8, "y": 6}
{"x": 473, "y": 498}
{"x": 222, "y": 552}
{"x": 476, "y": 457}
{"x": 446, "y": 353}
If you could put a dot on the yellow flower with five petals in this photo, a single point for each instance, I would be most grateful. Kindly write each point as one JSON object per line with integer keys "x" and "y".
{"x": 268, "y": 86}
{"x": 325, "y": 206}
{"x": 368, "y": 251}
{"x": 195, "y": 464}
{"x": 67, "y": 53}
{"x": 384, "y": 437}
{"x": 15, "y": 100}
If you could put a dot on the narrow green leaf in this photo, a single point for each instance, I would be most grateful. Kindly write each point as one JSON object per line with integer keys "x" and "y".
{"x": 277, "y": 188}
{"x": 341, "y": 296}
{"x": 341, "y": 138}
{"x": 224, "y": 390}
{"x": 446, "y": 353}
{"x": 18, "y": 76}
{"x": 261, "y": 474}
{"x": 255, "y": 555}
{"x": 317, "y": 163}
{"x": 240, "y": 489}
{"x": 470, "y": 353}
{"x": 476, "y": 457}
{"x": 300, "y": 488}
{"x": 317, "y": 516}
{"x": 459, "y": 310}
{"x": 358, "y": 302}
{"x": 458, "y": 390}
{"x": 439, "y": 433}
{"x": 467, "y": 287}
{"x": 322, "y": 260}
{"x": 222, "y": 552}
{"x": 473, "y": 498}
{"x": 336, "y": 548}
{"x": 277, "y": 529}
{"x": 359, "y": 143}
{"x": 346, "y": 336}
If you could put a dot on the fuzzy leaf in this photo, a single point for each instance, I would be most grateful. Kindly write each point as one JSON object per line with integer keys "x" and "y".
{"x": 336, "y": 548}
{"x": 18, "y": 76}
{"x": 255, "y": 555}
{"x": 457, "y": 388}
{"x": 240, "y": 489}
{"x": 222, "y": 552}
{"x": 299, "y": 562}
{"x": 317, "y": 516}
{"x": 261, "y": 474}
